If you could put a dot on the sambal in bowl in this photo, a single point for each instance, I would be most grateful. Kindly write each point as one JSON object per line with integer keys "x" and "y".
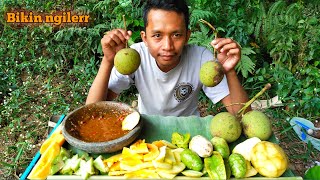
{"x": 102, "y": 127}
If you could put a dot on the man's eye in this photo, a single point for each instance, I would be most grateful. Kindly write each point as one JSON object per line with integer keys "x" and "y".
{"x": 177, "y": 35}
{"x": 156, "y": 35}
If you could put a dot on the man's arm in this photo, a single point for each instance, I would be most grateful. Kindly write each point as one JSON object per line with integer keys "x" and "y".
{"x": 237, "y": 93}
{"x": 229, "y": 56}
{"x": 111, "y": 43}
{"x": 99, "y": 88}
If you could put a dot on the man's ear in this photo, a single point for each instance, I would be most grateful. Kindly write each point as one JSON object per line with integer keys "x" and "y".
{"x": 144, "y": 37}
{"x": 188, "y": 36}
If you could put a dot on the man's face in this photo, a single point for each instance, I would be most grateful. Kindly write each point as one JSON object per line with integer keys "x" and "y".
{"x": 165, "y": 37}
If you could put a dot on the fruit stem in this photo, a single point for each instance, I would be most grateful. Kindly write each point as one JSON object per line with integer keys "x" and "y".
{"x": 215, "y": 32}
{"x": 125, "y": 28}
{"x": 232, "y": 104}
{"x": 247, "y": 104}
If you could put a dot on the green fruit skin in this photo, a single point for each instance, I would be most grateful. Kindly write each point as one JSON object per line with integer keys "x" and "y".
{"x": 180, "y": 140}
{"x": 238, "y": 165}
{"x": 211, "y": 73}
{"x": 226, "y": 126}
{"x": 127, "y": 61}
{"x": 221, "y": 145}
{"x": 191, "y": 160}
{"x": 256, "y": 124}
{"x": 215, "y": 167}
{"x": 228, "y": 168}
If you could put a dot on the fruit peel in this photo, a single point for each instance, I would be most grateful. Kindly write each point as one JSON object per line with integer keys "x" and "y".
{"x": 211, "y": 73}
{"x": 127, "y": 61}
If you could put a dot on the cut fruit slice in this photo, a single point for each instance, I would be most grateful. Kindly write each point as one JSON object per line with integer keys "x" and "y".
{"x": 139, "y": 147}
{"x": 42, "y": 169}
{"x": 192, "y": 173}
{"x": 162, "y": 154}
{"x": 152, "y": 154}
{"x": 118, "y": 173}
{"x": 130, "y": 121}
{"x": 161, "y": 165}
{"x": 169, "y": 157}
{"x": 165, "y": 175}
{"x": 176, "y": 169}
{"x": 169, "y": 144}
{"x": 113, "y": 159}
{"x": 143, "y": 173}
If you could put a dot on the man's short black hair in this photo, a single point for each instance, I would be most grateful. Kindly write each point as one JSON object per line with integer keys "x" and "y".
{"x": 179, "y": 6}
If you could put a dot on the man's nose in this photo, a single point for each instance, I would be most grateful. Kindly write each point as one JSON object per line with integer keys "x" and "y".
{"x": 167, "y": 44}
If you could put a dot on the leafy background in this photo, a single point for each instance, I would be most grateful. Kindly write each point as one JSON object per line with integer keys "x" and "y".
{"x": 47, "y": 70}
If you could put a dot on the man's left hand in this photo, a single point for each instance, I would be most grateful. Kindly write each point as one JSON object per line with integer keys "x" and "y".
{"x": 229, "y": 52}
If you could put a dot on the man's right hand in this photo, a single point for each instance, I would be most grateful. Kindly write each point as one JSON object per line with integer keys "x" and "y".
{"x": 113, "y": 41}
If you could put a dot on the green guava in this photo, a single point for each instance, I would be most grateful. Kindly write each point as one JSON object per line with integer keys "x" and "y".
{"x": 256, "y": 124}
{"x": 211, "y": 73}
{"x": 127, "y": 61}
{"x": 226, "y": 126}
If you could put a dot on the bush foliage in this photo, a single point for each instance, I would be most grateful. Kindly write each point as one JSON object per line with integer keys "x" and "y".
{"x": 48, "y": 69}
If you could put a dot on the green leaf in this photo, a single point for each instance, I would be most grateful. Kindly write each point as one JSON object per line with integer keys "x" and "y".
{"x": 312, "y": 173}
{"x": 245, "y": 65}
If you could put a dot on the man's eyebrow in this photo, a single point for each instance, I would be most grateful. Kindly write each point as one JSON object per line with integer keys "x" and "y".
{"x": 158, "y": 31}
{"x": 155, "y": 31}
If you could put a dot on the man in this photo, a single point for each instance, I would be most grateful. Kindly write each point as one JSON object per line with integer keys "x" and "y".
{"x": 168, "y": 77}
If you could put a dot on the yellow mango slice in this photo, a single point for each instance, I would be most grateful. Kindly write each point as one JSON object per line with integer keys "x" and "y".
{"x": 115, "y": 167}
{"x": 54, "y": 138}
{"x": 143, "y": 173}
{"x": 159, "y": 143}
{"x": 126, "y": 152}
{"x": 139, "y": 147}
{"x": 42, "y": 169}
{"x": 152, "y": 154}
{"x": 113, "y": 159}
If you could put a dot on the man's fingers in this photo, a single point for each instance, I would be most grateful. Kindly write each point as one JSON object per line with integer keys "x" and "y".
{"x": 228, "y": 47}
{"x": 118, "y": 40}
{"x": 220, "y": 42}
{"x": 116, "y": 37}
{"x": 235, "y": 51}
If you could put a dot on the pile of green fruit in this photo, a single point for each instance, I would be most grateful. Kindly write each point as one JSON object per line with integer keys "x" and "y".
{"x": 248, "y": 158}
{"x": 72, "y": 161}
{"x": 254, "y": 155}
{"x": 215, "y": 159}
{"x": 253, "y": 123}
{"x": 209, "y": 157}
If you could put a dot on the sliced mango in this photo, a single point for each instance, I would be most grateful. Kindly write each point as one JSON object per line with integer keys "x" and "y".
{"x": 117, "y": 173}
{"x": 42, "y": 168}
{"x": 126, "y": 152}
{"x": 152, "y": 154}
{"x": 139, "y": 147}
{"x": 130, "y": 163}
{"x": 55, "y": 137}
{"x": 113, "y": 159}
{"x": 115, "y": 167}
{"x": 143, "y": 173}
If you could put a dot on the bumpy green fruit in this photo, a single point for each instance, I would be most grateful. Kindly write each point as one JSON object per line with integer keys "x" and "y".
{"x": 226, "y": 126}
{"x": 256, "y": 124}
{"x": 127, "y": 61}
{"x": 238, "y": 165}
{"x": 211, "y": 73}
{"x": 191, "y": 160}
